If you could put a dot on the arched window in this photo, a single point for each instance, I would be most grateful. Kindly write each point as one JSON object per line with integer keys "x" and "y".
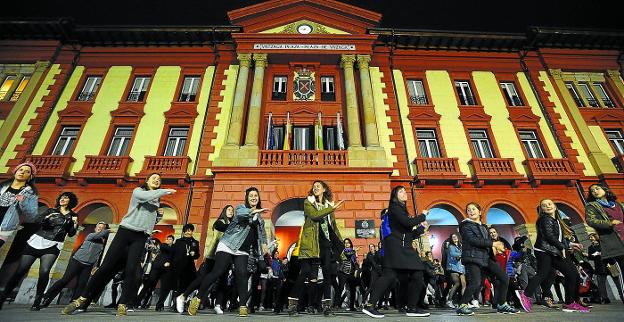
{"x": 498, "y": 216}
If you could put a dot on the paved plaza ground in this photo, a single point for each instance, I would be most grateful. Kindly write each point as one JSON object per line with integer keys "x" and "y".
{"x": 600, "y": 313}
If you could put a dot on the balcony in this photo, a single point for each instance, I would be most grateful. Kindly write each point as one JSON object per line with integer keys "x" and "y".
{"x": 618, "y": 161}
{"x": 168, "y": 167}
{"x": 438, "y": 169}
{"x": 107, "y": 167}
{"x": 495, "y": 170}
{"x": 52, "y": 166}
{"x": 303, "y": 158}
{"x": 540, "y": 170}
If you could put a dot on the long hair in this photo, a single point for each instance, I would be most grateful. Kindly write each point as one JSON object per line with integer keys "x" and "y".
{"x": 565, "y": 229}
{"x": 73, "y": 200}
{"x": 249, "y": 190}
{"x": 327, "y": 195}
{"x": 459, "y": 244}
{"x": 394, "y": 196}
{"x": 30, "y": 183}
{"x": 144, "y": 185}
{"x": 223, "y": 214}
{"x": 608, "y": 193}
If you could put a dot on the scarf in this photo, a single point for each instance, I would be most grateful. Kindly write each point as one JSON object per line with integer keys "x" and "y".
{"x": 608, "y": 204}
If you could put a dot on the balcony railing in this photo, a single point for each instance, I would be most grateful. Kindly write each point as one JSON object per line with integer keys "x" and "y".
{"x": 419, "y": 100}
{"x": 167, "y": 166}
{"x": 618, "y": 161}
{"x": 105, "y": 166}
{"x": 592, "y": 102}
{"x": 608, "y": 103}
{"x": 550, "y": 169}
{"x": 86, "y": 96}
{"x": 303, "y": 158}
{"x": 438, "y": 169}
{"x": 51, "y": 166}
{"x": 495, "y": 169}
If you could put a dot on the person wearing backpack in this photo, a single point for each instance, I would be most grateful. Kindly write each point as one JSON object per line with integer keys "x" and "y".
{"x": 399, "y": 255}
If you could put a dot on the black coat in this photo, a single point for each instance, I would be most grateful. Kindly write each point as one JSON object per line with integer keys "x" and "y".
{"x": 398, "y": 250}
{"x": 548, "y": 236}
{"x": 57, "y": 226}
{"x": 599, "y": 265}
{"x": 476, "y": 243}
{"x": 163, "y": 257}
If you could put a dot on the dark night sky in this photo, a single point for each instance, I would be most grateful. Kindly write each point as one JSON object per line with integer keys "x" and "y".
{"x": 473, "y": 15}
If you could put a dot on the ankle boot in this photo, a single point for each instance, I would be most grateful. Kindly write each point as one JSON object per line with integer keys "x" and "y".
{"x": 293, "y": 306}
{"x": 46, "y": 302}
{"x": 36, "y": 304}
{"x": 327, "y": 308}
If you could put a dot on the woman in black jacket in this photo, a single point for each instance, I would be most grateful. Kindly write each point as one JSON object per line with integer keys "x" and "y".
{"x": 477, "y": 256}
{"x": 399, "y": 255}
{"x": 46, "y": 245}
{"x": 550, "y": 249}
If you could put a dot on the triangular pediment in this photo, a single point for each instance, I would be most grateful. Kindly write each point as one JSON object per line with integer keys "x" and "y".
{"x": 303, "y": 112}
{"x": 424, "y": 115}
{"x": 128, "y": 112}
{"x": 476, "y": 117}
{"x": 286, "y": 16}
{"x": 609, "y": 117}
{"x": 74, "y": 112}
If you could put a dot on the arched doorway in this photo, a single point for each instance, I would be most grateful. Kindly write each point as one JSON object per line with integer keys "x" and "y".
{"x": 288, "y": 218}
{"x": 504, "y": 218}
{"x": 569, "y": 212}
{"x": 443, "y": 220}
{"x": 89, "y": 216}
{"x": 164, "y": 227}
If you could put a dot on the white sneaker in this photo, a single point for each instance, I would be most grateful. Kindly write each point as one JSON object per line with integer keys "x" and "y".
{"x": 218, "y": 309}
{"x": 261, "y": 308}
{"x": 180, "y": 301}
{"x": 474, "y": 304}
{"x": 451, "y": 305}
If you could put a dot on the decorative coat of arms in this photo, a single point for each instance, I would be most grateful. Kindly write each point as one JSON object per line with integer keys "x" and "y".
{"x": 304, "y": 85}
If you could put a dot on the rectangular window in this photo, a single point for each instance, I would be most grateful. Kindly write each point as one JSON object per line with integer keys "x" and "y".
{"x": 589, "y": 96}
{"x": 464, "y": 91}
{"x": 511, "y": 94}
{"x": 481, "y": 144}
{"x": 139, "y": 88}
{"x": 575, "y": 95}
{"x": 531, "y": 144}
{"x": 617, "y": 140}
{"x": 303, "y": 138}
{"x": 278, "y": 138}
{"x": 428, "y": 144}
{"x": 89, "y": 89}
{"x": 417, "y": 94}
{"x": 328, "y": 90}
{"x": 330, "y": 138}
{"x": 120, "y": 141}
{"x": 66, "y": 140}
{"x": 176, "y": 141}
{"x": 6, "y": 86}
{"x": 189, "y": 89}
{"x": 600, "y": 89}
{"x": 279, "y": 88}
{"x": 20, "y": 88}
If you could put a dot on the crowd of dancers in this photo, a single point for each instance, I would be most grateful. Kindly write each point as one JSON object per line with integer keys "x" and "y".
{"x": 243, "y": 271}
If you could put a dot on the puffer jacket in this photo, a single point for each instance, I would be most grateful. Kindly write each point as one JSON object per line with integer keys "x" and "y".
{"x": 308, "y": 244}
{"x": 548, "y": 236}
{"x": 55, "y": 226}
{"x": 24, "y": 211}
{"x": 476, "y": 243}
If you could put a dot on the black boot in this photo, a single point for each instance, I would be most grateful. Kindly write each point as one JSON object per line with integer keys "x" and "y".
{"x": 46, "y": 302}
{"x": 2, "y": 299}
{"x": 36, "y": 304}
{"x": 293, "y": 307}
{"x": 327, "y": 308}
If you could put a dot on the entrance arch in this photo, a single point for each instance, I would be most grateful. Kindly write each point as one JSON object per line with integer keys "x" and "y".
{"x": 288, "y": 219}
{"x": 504, "y": 218}
{"x": 443, "y": 220}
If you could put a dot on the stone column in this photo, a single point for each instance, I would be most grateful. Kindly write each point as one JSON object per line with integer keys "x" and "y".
{"x": 368, "y": 105}
{"x": 236, "y": 122}
{"x": 353, "y": 118}
{"x": 255, "y": 103}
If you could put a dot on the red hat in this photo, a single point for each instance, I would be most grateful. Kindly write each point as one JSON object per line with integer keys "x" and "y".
{"x": 33, "y": 169}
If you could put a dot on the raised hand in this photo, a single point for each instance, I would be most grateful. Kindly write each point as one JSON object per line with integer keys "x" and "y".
{"x": 338, "y": 204}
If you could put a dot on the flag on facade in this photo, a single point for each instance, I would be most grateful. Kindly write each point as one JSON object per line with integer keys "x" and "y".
{"x": 287, "y": 134}
{"x": 341, "y": 143}
{"x": 318, "y": 130}
{"x": 269, "y": 136}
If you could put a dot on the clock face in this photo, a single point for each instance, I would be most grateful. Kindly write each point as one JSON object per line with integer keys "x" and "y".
{"x": 304, "y": 29}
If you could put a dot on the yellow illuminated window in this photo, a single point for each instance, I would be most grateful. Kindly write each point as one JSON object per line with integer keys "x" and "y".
{"x": 20, "y": 88}
{"x": 6, "y": 86}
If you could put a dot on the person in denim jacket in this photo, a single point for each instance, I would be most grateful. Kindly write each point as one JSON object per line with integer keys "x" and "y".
{"x": 244, "y": 237}
{"x": 455, "y": 268}
{"x": 18, "y": 200}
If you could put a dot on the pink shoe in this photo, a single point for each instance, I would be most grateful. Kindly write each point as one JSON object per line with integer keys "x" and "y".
{"x": 525, "y": 301}
{"x": 574, "y": 307}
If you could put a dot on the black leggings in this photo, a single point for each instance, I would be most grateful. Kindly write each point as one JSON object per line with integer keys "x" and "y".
{"x": 223, "y": 261}
{"x": 309, "y": 270}
{"x": 474, "y": 278}
{"x": 415, "y": 285}
{"x": 74, "y": 269}
{"x": 545, "y": 263}
{"x": 125, "y": 251}
{"x": 350, "y": 282}
{"x": 45, "y": 265}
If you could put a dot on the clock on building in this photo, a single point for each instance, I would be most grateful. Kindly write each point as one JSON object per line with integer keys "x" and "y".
{"x": 304, "y": 29}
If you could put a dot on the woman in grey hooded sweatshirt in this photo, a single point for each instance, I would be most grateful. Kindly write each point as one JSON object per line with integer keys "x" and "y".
{"x": 127, "y": 246}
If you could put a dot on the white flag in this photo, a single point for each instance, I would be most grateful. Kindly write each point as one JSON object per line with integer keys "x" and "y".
{"x": 341, "y": 144}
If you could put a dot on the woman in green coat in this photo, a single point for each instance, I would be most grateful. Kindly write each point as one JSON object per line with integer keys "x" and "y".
{"x": 319, "y": 242}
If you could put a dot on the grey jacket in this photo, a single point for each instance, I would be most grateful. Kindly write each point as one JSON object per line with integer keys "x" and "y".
{"x": 25, "y": 211}
{"x": 92, "y": 247}
{"x": 142, "y": 211}
{"x": 240, "y": 227}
